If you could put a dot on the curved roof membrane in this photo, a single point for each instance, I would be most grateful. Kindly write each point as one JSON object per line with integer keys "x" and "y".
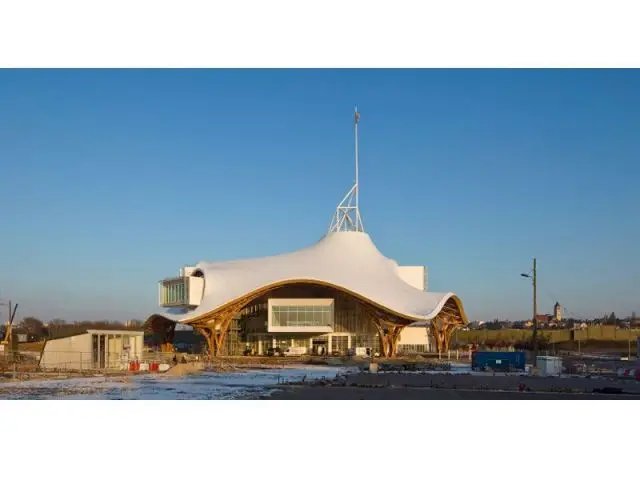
{"x": 346, "y": 260}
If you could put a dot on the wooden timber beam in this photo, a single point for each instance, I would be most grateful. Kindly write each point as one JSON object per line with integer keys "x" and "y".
{"x": 245, "y": 300}
{"x": 388, "y": 331}
{"x": 215, "y": 329}
{"x": 395, "y": 338}
{"x": 442, "y": 328}
{"x": 208, "y": 336}
{"x": 215, "y": 324}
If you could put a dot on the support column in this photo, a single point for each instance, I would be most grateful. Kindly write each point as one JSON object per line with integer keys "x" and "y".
{"x": 214, "y": 338}
{"x": 442, "y": 328}
{"x": 395, "y": 338}
{"x": 215, "y": 331}
{"x": 388, "y": 334}
{"x": 208, "y": 336}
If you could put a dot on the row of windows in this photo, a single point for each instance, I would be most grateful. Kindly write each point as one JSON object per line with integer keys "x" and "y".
{"x": 174, "y": 293}
{"x": 302, "y": 316}
{"x": 339, "y": 343}
{"x": 301, "y": 308}
{"x": 418, "y": 348}
{"x": 300, "y": 342}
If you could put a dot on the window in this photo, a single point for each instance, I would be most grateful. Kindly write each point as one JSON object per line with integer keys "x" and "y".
{"x": 301, "y": 316}
{"x": 339, "y": 343}
{"x": 174, "y": 293}
{"x": 419, "y": 348}
{"x": 301, "y": 342}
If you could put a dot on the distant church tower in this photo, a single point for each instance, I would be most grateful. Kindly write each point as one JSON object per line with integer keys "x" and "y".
{"x": 557, "y": 312}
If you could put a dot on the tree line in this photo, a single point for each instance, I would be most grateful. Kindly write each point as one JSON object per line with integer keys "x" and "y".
{"x": 36, "y": 329}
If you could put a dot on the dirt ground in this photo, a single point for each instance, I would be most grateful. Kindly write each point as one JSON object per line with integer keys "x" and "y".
{"x": 458, "y": 387}
{"x": 356, "y": 393}
{"x": 572, "y": 384}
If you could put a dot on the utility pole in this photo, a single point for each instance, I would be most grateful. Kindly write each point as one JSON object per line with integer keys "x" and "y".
{"x": 535, "y": 316}
{"x": 534, "y": 336}
{"x": 12, "y": 315}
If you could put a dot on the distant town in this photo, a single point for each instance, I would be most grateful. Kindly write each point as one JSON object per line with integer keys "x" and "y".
{"x": 551, "y": 322}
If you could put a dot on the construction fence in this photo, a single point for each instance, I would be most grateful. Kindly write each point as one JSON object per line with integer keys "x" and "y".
{"x": 81, "y": 361}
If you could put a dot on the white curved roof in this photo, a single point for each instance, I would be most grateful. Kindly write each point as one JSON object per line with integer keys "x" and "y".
{"x": 348, "y": 260}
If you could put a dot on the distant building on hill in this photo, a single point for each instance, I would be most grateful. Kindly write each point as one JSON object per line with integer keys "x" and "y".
{"x": 557, "y": 312}
{"x": 544, "y": 319}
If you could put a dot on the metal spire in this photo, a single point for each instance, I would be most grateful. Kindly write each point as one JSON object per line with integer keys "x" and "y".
{"x": 347, "y": 217}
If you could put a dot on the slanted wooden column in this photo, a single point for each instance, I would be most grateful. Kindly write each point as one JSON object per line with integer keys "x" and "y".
{"x": 452, "y": 327}
{"x": 442, "y": 328}
{"x": 388, "y": 332}
{"x": 436, "y": 333}
{"x": 207, "y": 333}
{"x": 215, "y": 335}
{"x": 214, "y": 329}
{"x": 393, "y": 337}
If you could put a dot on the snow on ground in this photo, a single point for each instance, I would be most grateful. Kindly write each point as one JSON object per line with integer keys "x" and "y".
{"x": 204, "y": 386}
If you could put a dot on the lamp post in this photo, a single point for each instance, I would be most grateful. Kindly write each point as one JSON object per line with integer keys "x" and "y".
{"x": 534, "y": 338}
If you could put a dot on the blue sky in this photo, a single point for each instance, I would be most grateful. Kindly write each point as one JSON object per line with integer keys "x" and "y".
{"x": 113, "y": 179}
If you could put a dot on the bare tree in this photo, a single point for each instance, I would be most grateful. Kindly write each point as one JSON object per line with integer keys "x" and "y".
{"x": 33, "y": 326}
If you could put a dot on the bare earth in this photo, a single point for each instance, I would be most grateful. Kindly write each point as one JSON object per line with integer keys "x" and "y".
{"x": 357, "y": 393}
{"x": 408, "y": 386}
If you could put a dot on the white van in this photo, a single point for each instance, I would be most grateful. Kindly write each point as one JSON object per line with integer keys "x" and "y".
{"x": 294, "y": 351}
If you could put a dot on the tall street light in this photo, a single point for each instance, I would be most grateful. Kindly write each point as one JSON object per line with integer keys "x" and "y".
{"x": 532, "y": 276}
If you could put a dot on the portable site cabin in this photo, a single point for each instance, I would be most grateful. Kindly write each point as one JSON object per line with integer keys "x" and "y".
{"x": 93, "y": 350}
{"x": 549, "y": 366}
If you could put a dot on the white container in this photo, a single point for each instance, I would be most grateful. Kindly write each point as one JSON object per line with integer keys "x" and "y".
{"x": 549, "y": 366}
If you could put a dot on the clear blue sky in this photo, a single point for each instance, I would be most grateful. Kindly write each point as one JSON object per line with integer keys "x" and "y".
{"x": 112, "y": 180}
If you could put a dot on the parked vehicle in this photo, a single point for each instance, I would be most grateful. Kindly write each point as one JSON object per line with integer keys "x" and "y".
{"x": 295, "y": 351}
{"x": 274, "y": 352}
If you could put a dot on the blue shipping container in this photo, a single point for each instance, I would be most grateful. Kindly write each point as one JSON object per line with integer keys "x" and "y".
{"x": 498, "y": 360}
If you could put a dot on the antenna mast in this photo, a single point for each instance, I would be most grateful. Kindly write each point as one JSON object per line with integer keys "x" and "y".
{"x": 356, "y": 118}
{"x": 347, "y": 217}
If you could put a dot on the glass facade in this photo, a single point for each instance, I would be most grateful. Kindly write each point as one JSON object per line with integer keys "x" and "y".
{"x": 419, "y": 348}
{"x": 174, "y": 293}
{"x": 344, "y": 316}
{"x": 301, "y": 342}
{"x": 339, "y": 344}
{"x": 301, "y": 316}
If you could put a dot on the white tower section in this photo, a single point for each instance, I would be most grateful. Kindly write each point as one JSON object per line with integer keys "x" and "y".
{"x": 347, "y": 217}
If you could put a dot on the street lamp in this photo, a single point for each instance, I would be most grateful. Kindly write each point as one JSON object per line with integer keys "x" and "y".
{"x": 534, "y": 339}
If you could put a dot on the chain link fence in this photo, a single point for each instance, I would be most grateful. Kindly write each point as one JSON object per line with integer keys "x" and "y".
{"x": 82, "y": 361}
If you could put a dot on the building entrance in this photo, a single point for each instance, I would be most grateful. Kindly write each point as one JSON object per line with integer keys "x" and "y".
{"x": 339, "y": 344}
{"x": 320, "y": 346}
